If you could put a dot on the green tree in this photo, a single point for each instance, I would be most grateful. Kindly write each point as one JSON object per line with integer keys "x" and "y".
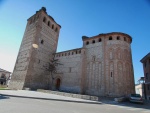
{"x": 53, "y": 69}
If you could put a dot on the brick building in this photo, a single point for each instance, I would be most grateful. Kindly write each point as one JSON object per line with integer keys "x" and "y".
{"x": 102, "y": 66}
{"x": 146, "y": 68}
{"x": 4, "y": 77}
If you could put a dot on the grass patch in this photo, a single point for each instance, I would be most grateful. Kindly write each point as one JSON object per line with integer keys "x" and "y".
{"x": 3, "y": 87}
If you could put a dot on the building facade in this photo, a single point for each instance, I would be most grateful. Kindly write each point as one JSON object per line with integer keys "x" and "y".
{"x": 4, "y": 77}
{"x": 146, "y": 68}
{"x": 102, "y": 66}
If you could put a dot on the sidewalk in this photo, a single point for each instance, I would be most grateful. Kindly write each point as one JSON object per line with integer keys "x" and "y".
{"x": 44, "y": 96}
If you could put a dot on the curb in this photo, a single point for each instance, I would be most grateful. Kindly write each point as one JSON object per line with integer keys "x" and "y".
{"x": 86, "y": 97}
{"x": 63, "y": 100}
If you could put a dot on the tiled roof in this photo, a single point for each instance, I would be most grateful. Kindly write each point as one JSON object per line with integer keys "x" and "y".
{"x": 2, "y": 70}
{"x": 145, "y": 57}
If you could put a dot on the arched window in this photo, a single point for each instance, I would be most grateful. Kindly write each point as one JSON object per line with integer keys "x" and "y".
{"x": 110, "y": 38}
{"x": 99, "y": 40}
{"x": 53, "y": 26}
{"x": 87, "y": 43}
{"x": 44, "y": 19}
{"x": 118, "y": 38}
{"x": 48, "y": 23}
{"x": 56, "y": 29}
{"x": 124, "y": 38}
{"x": 42, "y": 41}
{"x": 93, "y": 41}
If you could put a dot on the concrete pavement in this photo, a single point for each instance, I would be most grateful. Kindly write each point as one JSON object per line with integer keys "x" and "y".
{"x": 44, "y": 96}
{"x": 16, "y": 101}
{"x": 36, "y": 102}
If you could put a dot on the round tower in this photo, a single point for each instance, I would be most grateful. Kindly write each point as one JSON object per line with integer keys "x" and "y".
{"x": 109, "y": 69}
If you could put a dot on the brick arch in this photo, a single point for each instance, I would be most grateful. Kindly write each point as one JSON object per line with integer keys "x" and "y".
{"x": 118, "y": 53}
{"x": 120, "y": 77}
{"x": 94, "y": 76}
{"x": 111, "y": 77}
{"x": 125, "y": 54}
{"x": 110, "y": 54}
{"x": 127, "y": 77}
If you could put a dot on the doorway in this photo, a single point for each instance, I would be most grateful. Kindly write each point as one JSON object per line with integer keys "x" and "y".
{"x": 57, "y": 83}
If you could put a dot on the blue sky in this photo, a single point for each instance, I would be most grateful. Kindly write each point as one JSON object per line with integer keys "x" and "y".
{"x": 77, "y": 18}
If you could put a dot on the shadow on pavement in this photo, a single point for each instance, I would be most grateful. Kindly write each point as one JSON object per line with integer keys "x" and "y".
{"x": 75, "y": 101}
{"x": 3, "y": 97}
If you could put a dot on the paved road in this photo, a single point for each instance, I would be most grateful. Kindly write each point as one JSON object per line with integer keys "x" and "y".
{"x": 59, "y": 104}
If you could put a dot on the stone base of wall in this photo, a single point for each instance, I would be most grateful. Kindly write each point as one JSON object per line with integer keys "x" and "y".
{"x": 35, "y": 86}
{"x": 87, "y": 97}
{"x": 16, "y": 85}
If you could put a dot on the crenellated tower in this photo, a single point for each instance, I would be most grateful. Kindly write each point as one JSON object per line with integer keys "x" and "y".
{"x": 32, "y": 63}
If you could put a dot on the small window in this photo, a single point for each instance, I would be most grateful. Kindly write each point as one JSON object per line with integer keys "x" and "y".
{"x": 56, "y": 29}
{"x": 87, "y": 43}
{"x": 53, "y": 26}
{"x": 100, "y": 40}
{"x": 110, "y": 38}
{"x": 44, "y": 19}
{"x": 93, "y": 41}
{"x": 42, "y": 41}
{"x": 125, "y": 39}
{"x": 48, "y": 23}
{"x": 118, "y": 38}
{"x": 69, "y": 69}
{"x": 111, "y": 74}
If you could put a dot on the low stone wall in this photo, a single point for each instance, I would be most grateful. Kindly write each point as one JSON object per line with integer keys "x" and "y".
{"x": 87, "y": 97}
